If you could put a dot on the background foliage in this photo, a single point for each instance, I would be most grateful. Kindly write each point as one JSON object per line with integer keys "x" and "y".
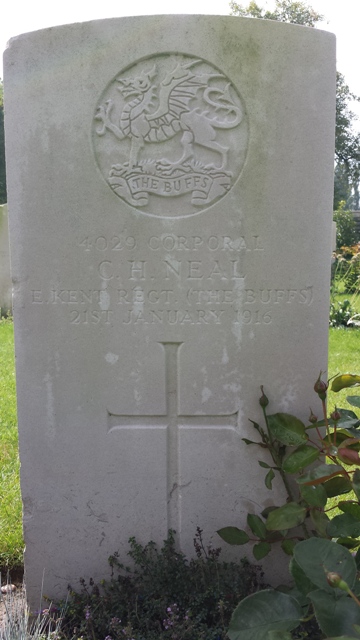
{"x": 347, "y": 149}
{"x": 346, "y": 233}
{"x": 163, "y": 597}
{"x": 285, "y": 11}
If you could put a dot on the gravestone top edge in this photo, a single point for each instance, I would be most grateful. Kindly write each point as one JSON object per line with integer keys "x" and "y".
{"x": 167, "y": 16}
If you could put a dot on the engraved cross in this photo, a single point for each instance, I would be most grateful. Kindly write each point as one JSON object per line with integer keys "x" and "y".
{"x": 171, "y": 420}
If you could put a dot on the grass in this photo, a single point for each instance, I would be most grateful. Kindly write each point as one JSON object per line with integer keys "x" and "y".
{"x": 11, "y": 541}
{"x": 344, "y": 357}
{"x": 344, "y": 343}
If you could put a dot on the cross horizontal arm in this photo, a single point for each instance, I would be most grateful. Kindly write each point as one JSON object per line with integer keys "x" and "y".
{"x": 226, "y": 420}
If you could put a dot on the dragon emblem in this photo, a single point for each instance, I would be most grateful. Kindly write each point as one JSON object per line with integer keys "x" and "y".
{"x": 172, "y": 127}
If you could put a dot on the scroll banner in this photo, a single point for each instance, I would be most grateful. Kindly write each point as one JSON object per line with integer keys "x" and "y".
{"x": 135, "y": 188}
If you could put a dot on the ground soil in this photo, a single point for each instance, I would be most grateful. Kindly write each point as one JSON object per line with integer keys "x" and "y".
{"x": 15, "y": 577}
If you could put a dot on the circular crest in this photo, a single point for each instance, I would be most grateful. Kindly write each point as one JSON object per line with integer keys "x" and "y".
{"x": 170, "y": 135}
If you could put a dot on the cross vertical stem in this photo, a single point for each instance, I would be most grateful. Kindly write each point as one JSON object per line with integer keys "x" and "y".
{"x": 170, "y": 420}
{"x": 173, "y": 477}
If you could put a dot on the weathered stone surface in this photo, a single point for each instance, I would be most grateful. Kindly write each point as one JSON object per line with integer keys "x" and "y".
{"x": 5, "y": 277}
{"x": 170, "y": 192}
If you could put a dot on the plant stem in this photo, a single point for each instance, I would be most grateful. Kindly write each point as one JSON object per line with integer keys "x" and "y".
{"x": 323, "y": 403}
{"x": 277, "y": 460}
{"x": 353, "y": 596}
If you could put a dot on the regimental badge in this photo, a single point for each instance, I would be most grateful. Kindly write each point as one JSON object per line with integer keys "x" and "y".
{"x": 170, "y": 135}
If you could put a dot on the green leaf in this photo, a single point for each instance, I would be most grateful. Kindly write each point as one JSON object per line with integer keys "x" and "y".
{"x": 279, "y": 635}
{"x": 343, "y": 526}
{"x": 320, "y": 521}
{"x": 264, "y": 465}
{"x": 335, "y": 615}
{"x": 357, "y": 559}
{"x": 338, "y": 486}
{"x": 348, "y": 420}
{"x": 257, "y": 526}
{"x": 295, "y": 593}
{"x": 320, "y": 474}
{"x": 314, "y": 496}
{"x": 348, "y": 543}
{"x": 347, "y": 414}
{"x": 353, "y": 431}
{"x": 354, "y": 400}
{"x": 350, "y": 507}
{"x": 262, "y": 612}
{"x": 356, "y": 483}
{"x": 269, "y": 478}
{"x": 261, "y": 549}
{"x": 288, "y": 546}
{"x": 302, "y": 581}
{"x": 276, "y": 536}
{"x": 265, "y": 512}
{"x": 340, "y": 437}
{"x": 287, "y": 429}
{"x": 300, "y": 458}
{"x": 286, "y": 517}
{"x": 345, "y": 637}
{"x": 233, "y": 535}
{"x": 344, "y": 381}
{"x": 317, "y": 556}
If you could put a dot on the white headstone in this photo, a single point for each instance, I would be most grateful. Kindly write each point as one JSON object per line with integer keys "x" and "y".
{"x": 170, "y": 195}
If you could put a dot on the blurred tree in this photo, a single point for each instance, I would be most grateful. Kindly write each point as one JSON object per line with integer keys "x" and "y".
{"x": 285, "y": 11}
{"x": 346, "y": 231}
{"x": 347, "y": 149}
